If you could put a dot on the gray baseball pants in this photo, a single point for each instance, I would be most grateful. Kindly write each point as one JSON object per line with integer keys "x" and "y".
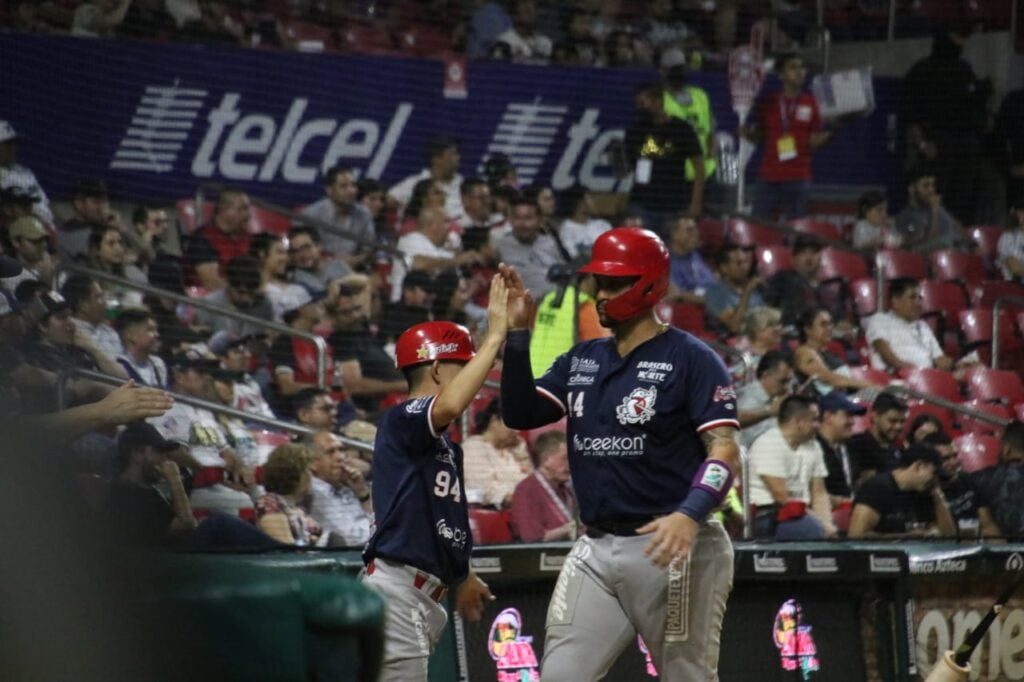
{"x": 608, "y": 591}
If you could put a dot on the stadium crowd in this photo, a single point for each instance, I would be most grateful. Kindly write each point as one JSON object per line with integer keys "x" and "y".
{"x": 834, "y": 449}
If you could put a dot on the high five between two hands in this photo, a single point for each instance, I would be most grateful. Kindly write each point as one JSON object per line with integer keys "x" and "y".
{"x": 519, "y": 302}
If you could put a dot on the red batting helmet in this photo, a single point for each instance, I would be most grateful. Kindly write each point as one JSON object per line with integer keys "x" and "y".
{"x": 429, "y": 341}
{"x": 631, "y": 252}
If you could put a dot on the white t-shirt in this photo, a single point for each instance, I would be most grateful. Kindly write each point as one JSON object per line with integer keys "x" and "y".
{"x": 413, "y": 244}
{"x": 1011, "y": 245}
{"x": 284, "y": 297}
{"x": 912, "y": 342}
{"x": 402, "y": 192}
{"x": 770, "y": 455}
{"x": 198, "y": 428}
{"x": 580, "y": 237}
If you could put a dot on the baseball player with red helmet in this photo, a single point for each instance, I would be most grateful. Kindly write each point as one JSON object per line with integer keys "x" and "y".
{"x": 652, "y": 447}
{"x": 422, "y": 542}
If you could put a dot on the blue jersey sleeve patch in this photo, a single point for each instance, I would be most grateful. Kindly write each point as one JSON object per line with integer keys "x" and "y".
{"x": 711, "y": 398}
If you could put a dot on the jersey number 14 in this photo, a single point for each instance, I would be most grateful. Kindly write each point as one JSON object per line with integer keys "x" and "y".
{"x": 445, "y": 484}
{"x": 576, "y": 404}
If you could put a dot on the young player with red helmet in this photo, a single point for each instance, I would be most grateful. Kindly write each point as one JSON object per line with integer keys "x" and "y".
{"x": 652, "y": 449}
{"x": 422, "y": 542}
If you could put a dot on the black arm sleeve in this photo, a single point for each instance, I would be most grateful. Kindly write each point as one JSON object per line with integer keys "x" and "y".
{"x": 521, "y": 405}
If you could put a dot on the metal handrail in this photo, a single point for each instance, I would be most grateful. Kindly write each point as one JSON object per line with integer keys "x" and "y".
{"x": 216, "y": 408}
{"x": 318, "y": 341}
{"x": 907, "y": 392}
{"x": 997, "y": 307}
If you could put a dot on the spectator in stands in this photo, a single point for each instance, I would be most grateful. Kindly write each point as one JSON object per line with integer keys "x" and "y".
{"x": 411, "y": 309}
{"x": 15, "y": 175}
{"x": 813, "y": 359}
{"x": 658, "y": 148}
{"x": 565, "y": 316}
{"x": 221, "y": 481}
{"x": 489, "y": 20}
{"x": 924, "y": 224}
{"x": 58, "y": 345}
{"x": 213, "y": 246}
{"x": 92, "y": 212}
{"x": 141, "y": 339}
{"x": 877, "y": 449}
{"x": 235, "y": 356}
{"x": 29, "y": 238}
{"x": 495, "y": 459}
{"x": 544, "y": 505}
{"x": 837, "y": 412}
{"x": 148, "y": 233}
{"x": 428, "y": 194}
{"x": 310, "y": 268}
{"x": 15, "y": 203}
{"x": 99, "y": 18}
{"x": 425, "y": 250}
{"x": 271, "y": 251}
{"x": 580, "y": 228}
{"x": 1010, "y": 250}
{"x": 964, "y": 500}
{"x": 370, "y": 195}
{"x": 1001, "y": 487}
{"x": 900, "y": 338}
{"x": 788, "y": 127}
{"x": 442, "y": 158}
{"x": 762, "y": 333}
{"x": 341, "y": 209}
{"x": 788, "y": 485}
{"x": 794, "y": 291}
{"x": 478, "y": 221}
{"x": 544, "y": 197}
{"x": 106, "y": 253}
{"x": 148, "y": 20}
{"x": 691, "y": 276}
{"x": 294, "y": 359}
{"x": 240, "y": 438}
{"x": 242, "y": 294}
{"x": 736, "y": 291}
{"x": 923, "y": 426}
{"x": 339, "y": 495}
{"x": 944, "y": 111}
{"x": 906, "y": 501}
{"x": 758, "y": 402}
{"x": 88, "y": 307}
{"x": 621, "y": 49}
{"x": 501, "y": 173}
{"x": 139, "y": 511}
{"x": 663, "y": 29}
{"x": 578, "y": 47}
{"x": 287, "y": 478}
{"x": 368, "y": 373}
{"x": 1008, "y": 134}
{"x": 872, "y": 230}
{"x": 527, "y": 249}
{"x": 521, "y": 42}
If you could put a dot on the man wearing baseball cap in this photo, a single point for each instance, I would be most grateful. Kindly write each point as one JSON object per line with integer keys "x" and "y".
{"x": 13, "y": 174}
{"x": 837, "y": 413}
{"x": 30, "y": 239}
{"x": 235, "y": 355}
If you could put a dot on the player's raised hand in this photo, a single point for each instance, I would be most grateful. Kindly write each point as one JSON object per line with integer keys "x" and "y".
{"x": 520, "y": 303}
{"x": 674, "y": 536}
{"x": 497, "y": 307}
{"x": 471, "y": 598}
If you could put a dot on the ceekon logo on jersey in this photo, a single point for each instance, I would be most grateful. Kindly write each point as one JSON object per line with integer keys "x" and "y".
{"x": 238, "y": 142}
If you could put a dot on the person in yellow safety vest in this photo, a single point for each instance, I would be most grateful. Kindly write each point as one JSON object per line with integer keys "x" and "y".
{"x": 691, "y": 104}
{"x": 553, "y": 326}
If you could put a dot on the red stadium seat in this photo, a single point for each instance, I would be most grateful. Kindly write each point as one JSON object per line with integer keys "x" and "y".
{"x": 866, "y": 373}
{"x": 985, "y": 294}
{"x": 916, "y": 408}
{"x": 972, "y": 425}
{"x": 841, "y": 518}
{"x": 310, "y": 37}
{"x": 490, "y": 527}
{"x": 817, "y": 228}
{"x": 898, "y": 263}
{"x": 424, "y": 41}
{"x": 366, "y": 39}
{"x": 843, "y": 265}
{"x": 958, "y": 266}
{"x": 773, "y": 259}
{"x": 935, "y": 382}
{"x": 691, "y": 318}
{"x": 186, "y": 209}
{"x": 712, "y": 234}
{"x": 977, "y": 452}
{"x": 996, "y": 385}
{"x": 264, "y": 220}
{"x": 865, "y": 297}
{"x": 986, "y": 237}
{"x": 749, "y": 234}
{"x": 945, "y": 299}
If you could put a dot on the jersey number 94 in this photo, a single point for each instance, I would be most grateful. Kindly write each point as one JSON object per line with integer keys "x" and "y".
{"x": 445, "y": 484}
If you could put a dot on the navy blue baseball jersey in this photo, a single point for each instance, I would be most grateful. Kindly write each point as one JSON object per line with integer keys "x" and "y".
{"x": 418, "y": 503}
{"x": 634, "y": 422}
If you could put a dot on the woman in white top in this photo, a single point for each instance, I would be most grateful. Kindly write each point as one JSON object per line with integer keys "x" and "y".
{"x": 271, "y": 250}
{"x": 872, "y": 228}
{"x": 1010, "y": 249}
{"x": 496, "y": 459}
